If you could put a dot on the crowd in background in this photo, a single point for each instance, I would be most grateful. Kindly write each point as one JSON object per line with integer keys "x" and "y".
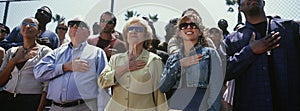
{"x": 197, "y": 68}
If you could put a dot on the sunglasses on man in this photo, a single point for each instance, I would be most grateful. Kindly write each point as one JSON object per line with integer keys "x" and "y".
{"x": 78, "y": 24}
{"x": 185, "y": 26}
{"x": 136, "y": 29}
{"x": 28, "y": 23}
{"x": 3, "y": 30}
{"x": 107, "y": 21}
{"x": 44, "y": 12}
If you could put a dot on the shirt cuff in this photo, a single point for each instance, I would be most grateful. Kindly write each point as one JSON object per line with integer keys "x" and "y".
{"x": 59, "y": 69}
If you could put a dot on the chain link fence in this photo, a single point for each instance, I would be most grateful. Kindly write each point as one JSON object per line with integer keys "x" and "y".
{"x": 289, "y": 9}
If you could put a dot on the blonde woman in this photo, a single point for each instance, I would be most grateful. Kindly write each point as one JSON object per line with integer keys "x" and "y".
{"x": 194, "y": 74}
{"x": 134, "y": 75}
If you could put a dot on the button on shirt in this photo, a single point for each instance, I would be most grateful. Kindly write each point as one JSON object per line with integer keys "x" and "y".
{"x": 70, "y": 86}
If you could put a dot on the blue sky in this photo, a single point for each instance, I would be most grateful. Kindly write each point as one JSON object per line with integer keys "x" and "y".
{"x": 210, "y": 10}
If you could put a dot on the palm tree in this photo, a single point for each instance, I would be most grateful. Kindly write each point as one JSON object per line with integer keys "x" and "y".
{"x": 57, "y": 18}
{"x": 230, "y": 3}
{"x": 154, "y": 18}
{"x": 130, "y": 14}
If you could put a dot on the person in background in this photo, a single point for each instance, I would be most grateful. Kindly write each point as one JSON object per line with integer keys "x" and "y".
{"x": 21, "y": 91}
{"x": 72, "y": 71}
{"x": 47, "y": 37}
{"x": 96, "y": 28}
{"x": 263, "y": 58}
{"x": 223, "y": 25}
{"x": 170, "y": 29}
{"x": 217, "y": 37}
{"x": 156, "y": 45}
{"x": 106, "y": 39}
{"x": 4, "y": 31}
{"x": 194, "y": 74}
{"x": 61, "y": 30}
{"x": 134, "y": 75}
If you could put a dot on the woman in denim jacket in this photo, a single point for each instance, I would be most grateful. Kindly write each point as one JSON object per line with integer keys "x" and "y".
{"x": 194, "y": 74}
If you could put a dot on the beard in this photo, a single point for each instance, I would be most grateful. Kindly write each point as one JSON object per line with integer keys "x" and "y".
{"x": 255, "y": 9}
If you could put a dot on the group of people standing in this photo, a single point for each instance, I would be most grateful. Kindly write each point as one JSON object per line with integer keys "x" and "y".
{"x": 106, "y": 73}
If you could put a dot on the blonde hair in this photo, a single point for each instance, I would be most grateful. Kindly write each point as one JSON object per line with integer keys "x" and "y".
{"x": 144, "y": 23}
{"x": 202, "y": 38}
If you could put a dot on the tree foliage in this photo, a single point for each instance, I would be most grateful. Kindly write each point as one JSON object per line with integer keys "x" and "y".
{"x": 231, "y": 3}
{"x": 58, "y": 18}
{"x": 131, "y": 13}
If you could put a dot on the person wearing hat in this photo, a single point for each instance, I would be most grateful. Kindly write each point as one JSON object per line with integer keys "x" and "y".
{"x": 4, "y": 31}
{"x": 47, "y": 37}
{"x": 223, "y": 25}
{"x": 61, "y": 30}
{"x": 72, "y": 71}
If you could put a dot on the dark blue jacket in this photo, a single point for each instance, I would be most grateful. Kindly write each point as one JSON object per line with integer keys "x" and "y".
{"x": 16, "y": 39}
{"x": 251, "y": 71}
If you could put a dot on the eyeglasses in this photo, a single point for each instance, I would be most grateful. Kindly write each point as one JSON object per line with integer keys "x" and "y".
{"x": 136, "y": 29}
{"x": 107, "y": 21}
{"x": 77, "y": 23}
{"x": 2, "y": 30}
{"x": 62, "y": 28}
{"x": 28, "y": 23}
{"x": 185, "y": 26}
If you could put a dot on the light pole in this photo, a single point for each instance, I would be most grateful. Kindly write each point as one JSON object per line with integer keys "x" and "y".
{"x": 112, "y": 6}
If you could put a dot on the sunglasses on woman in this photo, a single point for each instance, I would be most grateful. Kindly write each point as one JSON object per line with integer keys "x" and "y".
{"x": 28, "y": 23}
{"x": 136, "y": 29}
{"x": 185, "y": 26}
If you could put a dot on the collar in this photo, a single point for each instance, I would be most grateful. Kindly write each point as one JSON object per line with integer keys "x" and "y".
{"x": 143, "y": 55}
{"x": 80, "y": 47}
{"x": 272, "y": 20}
{"x": 193, "y": 49}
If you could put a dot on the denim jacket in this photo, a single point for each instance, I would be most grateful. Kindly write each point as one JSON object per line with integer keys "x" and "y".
{"x": 207, "y": 74}
{"x": 197, "y": 75}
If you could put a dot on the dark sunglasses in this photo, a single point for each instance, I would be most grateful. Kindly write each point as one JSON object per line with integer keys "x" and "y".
{"x": 136, "y": 29}
{"x": 3, "y": 30}
{"x": 107, "y": 21}
{"x": 62, "y": 28}
{"x": 28, "y": 23}
{"x": 77, "y": 23}
{"x": 185, "y": 26}
{"x": 44, "y": 12}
